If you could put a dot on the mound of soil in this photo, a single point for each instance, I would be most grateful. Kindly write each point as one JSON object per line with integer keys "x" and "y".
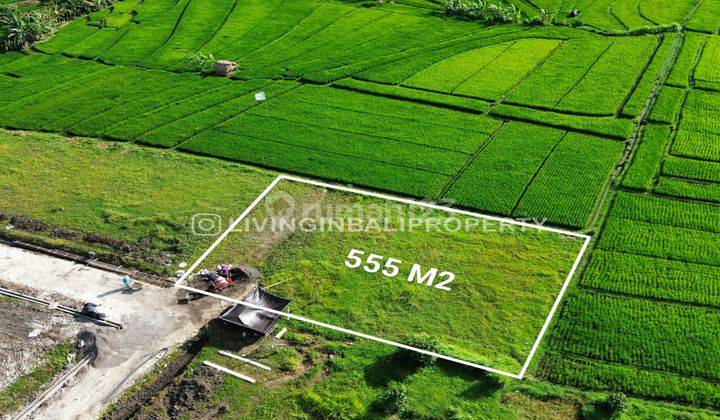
{"x": 87, "y": 345}
{"x": 142, "y": 249}
{"x": 194, "y": 390}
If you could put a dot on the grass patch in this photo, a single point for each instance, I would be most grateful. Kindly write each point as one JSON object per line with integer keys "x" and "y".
{"x": 13, "y": 396}
{"x": 137, "y": 194}
{"x": 491, "y": 315}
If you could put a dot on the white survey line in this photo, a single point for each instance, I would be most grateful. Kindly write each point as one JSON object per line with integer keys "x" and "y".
{"x": 243, "y": 359}
{"x": 554, "y": 308}
{"x": 432, "y": 206}
{"x": 228, "y": 230}
{"x": 537, "y": 342}
{"x": 347, "y": 331}
{"x": 229, "y": 372}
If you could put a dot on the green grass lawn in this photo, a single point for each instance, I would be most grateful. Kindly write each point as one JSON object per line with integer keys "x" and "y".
{"x": 315, "y": 376}
{"x": 506, "y": 279}
{"x": 122, "y": 191}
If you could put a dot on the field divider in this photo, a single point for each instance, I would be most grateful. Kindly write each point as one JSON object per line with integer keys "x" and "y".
{"x": 406, "y": 99}
{"x": 511, "y": 44}
{"x": 668, "y": 258}
{"x": 634, "y": 366}
{"x": 341, "y": 130}
{"x": 348, "y": 33}
{"x": 531, "y": 72}
{"x": 349, "y": 52}
{"x": 132, "y": 99}
{"x": 398, "y": 117}
{"x": 256, "y": 52}
{"x": 59, "y": 88}
{"x": 599, "y": 57}
{"x": 157, "y": 88}
{"x": 614, "y": 15}
{"x": 163, "y": 107}
{"x": 354, "y": 157}
{"x": 630, "y": 295}
{"x": 220, "y": 25}
{"x": 445, "y": 44}
{"x": 562, "y": 126}
{"x": 558, "y": 111}
{"x": 224, "y": 120}
{"x": 639, "y": 77}
{"x": 470, "y": 160}
{"x": 167, "y": 39}
{"x": 354, "y": 53}
{"x": 678, "y": 197}
{"x": 675, "y": 126}
{"x": 537, "y": 171}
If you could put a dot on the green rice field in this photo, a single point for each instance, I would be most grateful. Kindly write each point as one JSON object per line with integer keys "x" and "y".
{"x": 600, "y": 117}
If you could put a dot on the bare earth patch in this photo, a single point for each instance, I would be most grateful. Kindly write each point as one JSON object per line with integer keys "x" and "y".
{"x": 18, "y": 321}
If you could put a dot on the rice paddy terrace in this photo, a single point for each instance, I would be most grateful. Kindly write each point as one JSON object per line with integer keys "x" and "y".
{"x": 607, "y": 127}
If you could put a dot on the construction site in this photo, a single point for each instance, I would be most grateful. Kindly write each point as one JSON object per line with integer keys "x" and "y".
{"x": 77, "y": 339}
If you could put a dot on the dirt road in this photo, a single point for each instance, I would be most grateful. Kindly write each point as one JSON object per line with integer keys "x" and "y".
{"x": 152, "y": 321}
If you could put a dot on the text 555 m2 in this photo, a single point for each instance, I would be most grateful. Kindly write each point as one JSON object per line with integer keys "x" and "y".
{"x": 390, "y": 267}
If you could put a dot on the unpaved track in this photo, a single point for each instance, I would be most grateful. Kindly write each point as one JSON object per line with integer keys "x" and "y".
{"x": 152, "y": 321}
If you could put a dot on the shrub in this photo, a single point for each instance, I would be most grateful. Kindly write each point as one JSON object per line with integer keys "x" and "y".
{"x": 18, "y": 30}
{"x": 480, "y": 10}
{"x": 393, "y": 400}
{"x": 424, "y": 343}
{"x": 69, "y": 9}
{"x": 201, "y": 62}
{"x": 617, "y": 403}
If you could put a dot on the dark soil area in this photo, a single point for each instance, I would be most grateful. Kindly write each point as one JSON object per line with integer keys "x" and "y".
{"x": 130, "y": 407}
{"x": 113, "y": 250}
{"x": 193, "y": 391}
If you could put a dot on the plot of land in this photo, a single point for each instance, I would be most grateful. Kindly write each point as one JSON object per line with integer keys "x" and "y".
{"x": 484, "y": 288}
{"x": 602, "y": 119}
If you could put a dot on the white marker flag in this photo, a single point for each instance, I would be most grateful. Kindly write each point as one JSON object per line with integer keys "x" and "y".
{"x": 260, "y": 96}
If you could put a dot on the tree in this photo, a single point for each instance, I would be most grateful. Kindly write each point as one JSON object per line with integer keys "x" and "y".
{"x": 617, "y": 403}
{"x": 393, "y": 400}
{"x": 424, "y": 343}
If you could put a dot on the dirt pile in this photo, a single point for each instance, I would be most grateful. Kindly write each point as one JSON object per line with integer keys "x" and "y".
{"x": 87, "y": 345}
{"x": 194, "y": 390}
{"x": 142, "y": 249}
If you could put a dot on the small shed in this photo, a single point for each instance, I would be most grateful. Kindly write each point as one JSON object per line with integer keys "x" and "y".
{"x": 257, "y": 320}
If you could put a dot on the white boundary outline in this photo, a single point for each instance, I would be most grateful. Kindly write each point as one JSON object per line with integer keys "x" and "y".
{"x": 272, "y": 185}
